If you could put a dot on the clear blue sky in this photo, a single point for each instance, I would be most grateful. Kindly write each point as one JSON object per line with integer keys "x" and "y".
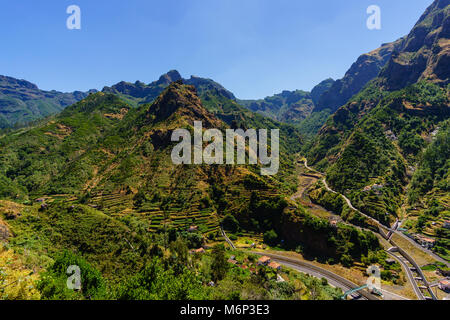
{"x": 255, "y": 48}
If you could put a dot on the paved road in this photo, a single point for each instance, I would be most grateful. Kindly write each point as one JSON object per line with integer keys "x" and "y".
{"x": 349, "y": 202}
{"x": 412, "y": 280}
{"x": 333, "y": 279}
{"x": 315, "y": 271}
{"x": 227, "y": 239}
{"x": 343, "y": 196}
{"x": 410, "y": 276}
{"x": 418, "y": 246}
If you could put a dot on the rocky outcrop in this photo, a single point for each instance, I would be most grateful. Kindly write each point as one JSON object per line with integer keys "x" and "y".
{"x": 142, "y": 93}
{"x": 320, "y": 89}
{"x": 425, "y": 53}
{"x": 365, "y": 69}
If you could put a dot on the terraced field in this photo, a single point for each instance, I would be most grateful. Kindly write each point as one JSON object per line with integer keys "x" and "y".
{"x": 119, "y": 204}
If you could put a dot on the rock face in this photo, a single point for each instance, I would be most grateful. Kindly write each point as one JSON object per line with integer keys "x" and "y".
{"x": 373, "y": 138}
{"x": 141, "y": 93}
{"x": 169, "y": 77}
{"x": 366, "y": 68}
{"x": 320, "y": 89}
{"x": 22, "y": 101}
{"x": 289, "y": 106}
{"x": 203, "y": 84}
{"x": 425, "y": 53}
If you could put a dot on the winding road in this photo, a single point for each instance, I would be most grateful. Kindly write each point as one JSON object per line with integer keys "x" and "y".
{"x": 335, "y": 279}
{"x": 317, "y": 272}
{"x": 409, "y": 274}
{"x": 332, "y": 278}
{"x": 418, "y": 246}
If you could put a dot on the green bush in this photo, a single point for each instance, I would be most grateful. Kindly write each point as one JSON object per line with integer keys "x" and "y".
{"x": 53, "y": 283}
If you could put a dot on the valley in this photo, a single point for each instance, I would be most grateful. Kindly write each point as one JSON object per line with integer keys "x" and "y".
{"x": 409, "y": 289}
{"x": 176, "y": 189}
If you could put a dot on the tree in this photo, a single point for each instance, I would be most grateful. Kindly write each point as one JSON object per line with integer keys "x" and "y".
{"x": 179, "y": 250}
{"x": 271, "y": 238}
{"x": 140, "y": 198}
{"x": 230, "y": 223}
{"x": 159, "y": 281}
{"x": 53, "y": 283}
{"x": 346, "y": 260}
{"x": 194, "y": 240}
{"x": 219, "y": 265}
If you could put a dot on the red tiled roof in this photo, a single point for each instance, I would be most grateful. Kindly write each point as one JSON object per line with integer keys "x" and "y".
{"x": 264, "y": 259}
{"x": 274, "y": 265}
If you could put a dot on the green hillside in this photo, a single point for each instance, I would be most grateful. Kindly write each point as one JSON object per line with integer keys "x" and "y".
{"x": 377, "y": 148}
{"x": 22, "y": 102}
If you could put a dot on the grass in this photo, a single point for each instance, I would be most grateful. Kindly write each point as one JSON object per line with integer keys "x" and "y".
{"x": 418, "y": 255}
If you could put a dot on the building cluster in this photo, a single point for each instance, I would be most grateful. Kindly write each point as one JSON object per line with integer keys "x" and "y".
{"x": 376, "y": 188}
{"x": 198, "y": 251}
{"x": 425, "y": 242}
{"x": 444, "y": 285}
{"x": 247, "y": 265}
{"x": 267, "y": 261}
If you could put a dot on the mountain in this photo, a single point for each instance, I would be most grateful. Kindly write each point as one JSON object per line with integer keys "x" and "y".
{"x": 22, "y": 101}
{"x": 366, "y": 68}
{"x": 76, "y": 150}
{"x": 105, "y": 173}
{"x": 289, "y": 106}
{"x": 202, "y": 85}
{"x": 424, "y": 54}
{"x": 141, "y": 93}
{"x": 320, "y": 89}
{"x": 215, "y": 98}
{"x": 95, "y": 185}
{"x": 330, "y": 95}
{"x": 380, "y": 136}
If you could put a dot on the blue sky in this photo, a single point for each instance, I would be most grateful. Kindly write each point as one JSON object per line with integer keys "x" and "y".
{"x": 254, "y": 48}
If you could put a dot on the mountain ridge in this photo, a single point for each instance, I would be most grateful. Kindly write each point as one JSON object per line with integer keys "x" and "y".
{"x": 380, "y": 135}
{"x": 22, "y": 101}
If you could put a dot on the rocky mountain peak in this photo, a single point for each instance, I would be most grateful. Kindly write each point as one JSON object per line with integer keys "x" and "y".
{"x": 181, "y": 101}
{"x": 425, "y": 53}
{"x": 169, "y": 77}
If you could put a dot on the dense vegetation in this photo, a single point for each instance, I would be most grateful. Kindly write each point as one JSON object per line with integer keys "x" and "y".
{"x": 336, "y": 203}
{"x": 95, "y": 186}
{"x": 375, "y": 152}
{"x": 170, "y": 272}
